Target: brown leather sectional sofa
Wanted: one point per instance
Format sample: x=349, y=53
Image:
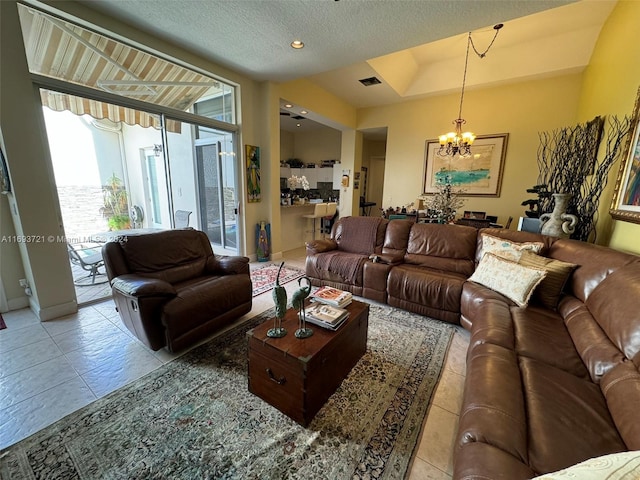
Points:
x=171, y=290
x=545, y=388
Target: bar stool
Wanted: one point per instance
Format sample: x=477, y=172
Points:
x=325, y=222
x=319, y=211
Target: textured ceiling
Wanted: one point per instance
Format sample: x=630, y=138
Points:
x=253, y=36
x=416, y=47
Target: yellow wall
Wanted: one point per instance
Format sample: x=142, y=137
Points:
x=522, y=110
x=609, y=88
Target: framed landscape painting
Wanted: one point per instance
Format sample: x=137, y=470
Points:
x=477, y=174
x=626, y=196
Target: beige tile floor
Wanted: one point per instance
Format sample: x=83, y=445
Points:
x=50, y=369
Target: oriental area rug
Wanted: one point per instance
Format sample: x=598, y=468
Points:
x=194, y=417
x=263, y=278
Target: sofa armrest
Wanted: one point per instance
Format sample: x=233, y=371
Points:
x=320, y=246
x=139, y=286
x=228, y=265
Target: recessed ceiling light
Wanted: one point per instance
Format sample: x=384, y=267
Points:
x=288, y=105
x=297, y=44
x=298, y=125
x=303, y=112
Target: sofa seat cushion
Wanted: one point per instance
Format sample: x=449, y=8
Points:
x=481, y=461
x=337, y=267
x=567, y=416
x=425, y=286
x=541, y=334
x=202, y=299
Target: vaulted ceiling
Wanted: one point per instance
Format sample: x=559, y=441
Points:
x=415, y=48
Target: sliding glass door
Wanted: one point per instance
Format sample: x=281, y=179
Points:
x=217, y=178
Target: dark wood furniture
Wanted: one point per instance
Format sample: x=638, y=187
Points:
x=297, y=376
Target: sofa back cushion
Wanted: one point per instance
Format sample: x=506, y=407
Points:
x=595, y=263
x=598, y=353
x=362, y=235
x=450, y=248
x=396, y=238
x=614, y=303
x=171, y=255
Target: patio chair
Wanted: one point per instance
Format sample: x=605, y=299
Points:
x=89, y=258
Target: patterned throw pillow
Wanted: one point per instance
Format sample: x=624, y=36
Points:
x=512, y=280
x=506, y=248
x=616, y=466
x=549, y=291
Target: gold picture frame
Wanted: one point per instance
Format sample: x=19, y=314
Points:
x=625, y=204
x=479, y=174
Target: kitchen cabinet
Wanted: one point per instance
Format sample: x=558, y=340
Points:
x=325, y=174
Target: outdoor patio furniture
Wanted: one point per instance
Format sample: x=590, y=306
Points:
x=89, y=258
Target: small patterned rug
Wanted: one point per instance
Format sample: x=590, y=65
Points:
x=194, y=417
x=263, y=278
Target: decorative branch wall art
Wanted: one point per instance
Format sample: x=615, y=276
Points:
x=568, y=162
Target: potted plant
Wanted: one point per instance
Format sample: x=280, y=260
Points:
x=534, y=204
x=116, y=204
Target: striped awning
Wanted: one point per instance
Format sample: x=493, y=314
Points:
x=74, y=54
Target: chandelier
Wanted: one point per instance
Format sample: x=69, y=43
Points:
x=457, y=142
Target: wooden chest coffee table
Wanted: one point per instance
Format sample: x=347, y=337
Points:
x=297, y=376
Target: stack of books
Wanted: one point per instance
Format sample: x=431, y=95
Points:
x=332, y=296
x=326, y=316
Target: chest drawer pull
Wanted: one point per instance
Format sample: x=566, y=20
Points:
x=279, y=381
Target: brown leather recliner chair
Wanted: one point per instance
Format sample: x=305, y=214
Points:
x=171, y=290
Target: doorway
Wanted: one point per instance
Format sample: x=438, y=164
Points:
x=217, y=193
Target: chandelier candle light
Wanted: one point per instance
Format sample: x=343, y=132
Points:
x=457, y=142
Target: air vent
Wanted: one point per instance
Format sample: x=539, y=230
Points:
x=285, y=114
x=298, y=117
x=367, y=82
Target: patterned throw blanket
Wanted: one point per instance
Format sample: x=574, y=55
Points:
x=357, y=242
x=359, y=235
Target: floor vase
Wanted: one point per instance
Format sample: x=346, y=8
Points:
x=559, y=223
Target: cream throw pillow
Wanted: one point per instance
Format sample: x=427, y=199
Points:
x=616, y=466
x=512, y=280
x=506, y=248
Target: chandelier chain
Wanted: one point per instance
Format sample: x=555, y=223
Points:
x=457, y=142
x=483, y=54
x=464, y=76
